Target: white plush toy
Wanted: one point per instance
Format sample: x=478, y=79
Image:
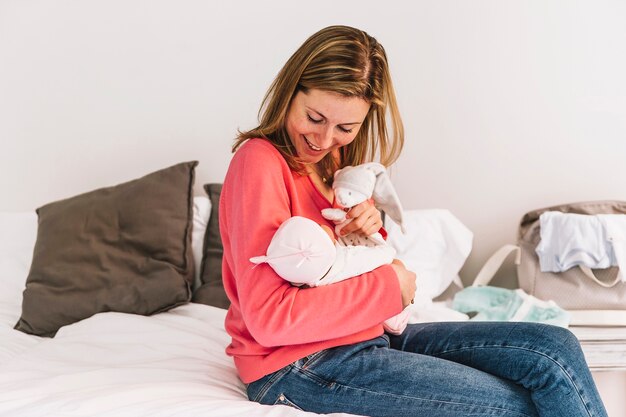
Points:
x=353, y=185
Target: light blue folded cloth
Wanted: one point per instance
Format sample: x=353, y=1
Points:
x=501, y=304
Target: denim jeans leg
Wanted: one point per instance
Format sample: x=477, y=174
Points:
x=544, y=359
x=372, y=379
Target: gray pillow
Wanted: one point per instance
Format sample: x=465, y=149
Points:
x=211, y=290
x=125, y=248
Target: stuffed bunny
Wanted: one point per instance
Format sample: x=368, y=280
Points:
x=353, y=185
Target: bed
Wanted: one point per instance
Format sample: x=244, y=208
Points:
x=170, y=362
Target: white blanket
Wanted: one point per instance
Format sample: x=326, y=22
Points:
x=114, y=364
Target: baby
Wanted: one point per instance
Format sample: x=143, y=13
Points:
x=306, y=253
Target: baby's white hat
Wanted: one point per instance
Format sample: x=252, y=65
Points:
x=300, y=251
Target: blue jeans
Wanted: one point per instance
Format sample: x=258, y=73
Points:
x=443, y=370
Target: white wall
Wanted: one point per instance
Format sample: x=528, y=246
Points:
x=508, y=105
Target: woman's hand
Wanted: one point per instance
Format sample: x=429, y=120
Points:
x=407, y=282
x=366, y=220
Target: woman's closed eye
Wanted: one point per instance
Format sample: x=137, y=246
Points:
x=318, y=121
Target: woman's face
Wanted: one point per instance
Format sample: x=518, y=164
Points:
x=320, y=122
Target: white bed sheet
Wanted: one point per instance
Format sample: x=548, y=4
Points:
x=114, y=364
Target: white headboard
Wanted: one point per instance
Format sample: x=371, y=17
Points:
x=508, y=106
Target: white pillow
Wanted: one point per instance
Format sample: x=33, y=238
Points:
x=18, y=232
x=201, y=212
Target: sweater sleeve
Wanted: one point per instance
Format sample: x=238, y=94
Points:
x=256, y=199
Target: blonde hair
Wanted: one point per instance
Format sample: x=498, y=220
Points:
x=342, y=60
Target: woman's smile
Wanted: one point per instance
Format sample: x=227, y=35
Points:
x=313, y=147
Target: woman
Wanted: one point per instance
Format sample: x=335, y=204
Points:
x=323, y=349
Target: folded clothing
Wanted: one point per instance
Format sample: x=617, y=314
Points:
x=569, y=240
x=501, y=304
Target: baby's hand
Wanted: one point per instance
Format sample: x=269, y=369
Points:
x=335, y=214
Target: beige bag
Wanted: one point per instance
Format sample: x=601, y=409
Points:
x=599, y=295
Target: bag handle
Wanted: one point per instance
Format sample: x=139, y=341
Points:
x=589, y=274
x=493, y=264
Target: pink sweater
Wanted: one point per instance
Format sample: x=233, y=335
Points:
x=271, y=322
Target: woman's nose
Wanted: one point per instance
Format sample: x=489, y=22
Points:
x=326, y=137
